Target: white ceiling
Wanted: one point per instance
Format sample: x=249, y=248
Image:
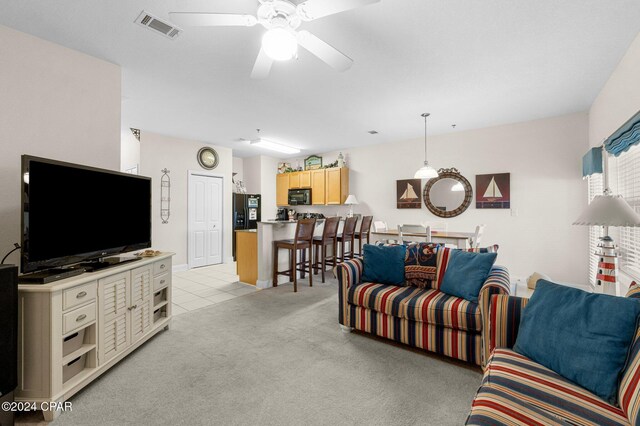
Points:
x=475, y=63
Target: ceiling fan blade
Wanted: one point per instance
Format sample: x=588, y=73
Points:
x=329, y=54
x=262, y=67
x=212, y=19
x=314, y=9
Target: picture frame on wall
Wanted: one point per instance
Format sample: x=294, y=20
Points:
x=493, y=191
x=408, y=193
x=313, y=162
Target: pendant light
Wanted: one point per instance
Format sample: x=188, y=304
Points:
x=426, y=171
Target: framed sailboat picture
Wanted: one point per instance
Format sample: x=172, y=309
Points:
x=408, y=190
x=493, y=191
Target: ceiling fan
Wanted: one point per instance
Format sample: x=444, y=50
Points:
x=281, y=18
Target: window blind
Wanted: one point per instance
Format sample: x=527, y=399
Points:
x=595, y=183
x=628, y=185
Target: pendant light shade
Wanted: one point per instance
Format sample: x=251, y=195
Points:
x=426, y=171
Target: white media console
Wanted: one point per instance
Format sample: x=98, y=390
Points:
x=71, y=331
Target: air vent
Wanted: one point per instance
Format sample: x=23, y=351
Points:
x=157, y=25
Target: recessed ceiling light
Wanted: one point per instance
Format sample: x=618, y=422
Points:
x=373, y=132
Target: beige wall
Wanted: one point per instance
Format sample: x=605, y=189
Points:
x=619, y=99
x=548, y=194
x=56, y=103
x=179, y=156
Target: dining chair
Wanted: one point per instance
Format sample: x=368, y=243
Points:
x=475, y=241
x=437, y=226
x=364, y=232
x=414, y=229
x=379, y=225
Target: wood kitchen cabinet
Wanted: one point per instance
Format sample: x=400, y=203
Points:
x=282, y=189
x=328, y=186
x=336, y=185
x=318, y=187
x=294, y=180
x=305, y=179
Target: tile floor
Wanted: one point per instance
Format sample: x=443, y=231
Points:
x=206, y=286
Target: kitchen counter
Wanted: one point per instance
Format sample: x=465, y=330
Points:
x=246, y=230
x=268, y=232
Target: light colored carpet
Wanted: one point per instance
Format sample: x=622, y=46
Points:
x=276, y=357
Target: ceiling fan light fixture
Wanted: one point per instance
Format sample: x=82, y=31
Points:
x=280, y=44
x=274, y=146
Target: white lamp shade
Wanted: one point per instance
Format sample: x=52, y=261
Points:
x=426, y=172
x=351, y=199
x=608, y=210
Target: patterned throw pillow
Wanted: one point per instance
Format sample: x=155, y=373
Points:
x=420, y=264
x=634, y=290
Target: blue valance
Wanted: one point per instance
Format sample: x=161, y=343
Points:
x=592, y=162
x=625, y=137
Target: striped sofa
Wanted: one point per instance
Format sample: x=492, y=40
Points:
x=419, y=314
x=517, y=391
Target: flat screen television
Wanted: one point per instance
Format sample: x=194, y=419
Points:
x=73, y=213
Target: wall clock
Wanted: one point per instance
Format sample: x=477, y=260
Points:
x=208, y=158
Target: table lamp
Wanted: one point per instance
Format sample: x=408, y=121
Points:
x=350, y=201
x=608, y=210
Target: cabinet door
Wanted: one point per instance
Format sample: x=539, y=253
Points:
x=318, y=187
x=113, y=316
x=334, y=186
x=282, y=189
x=294, y=180
x=305, y=179
x=141, y=312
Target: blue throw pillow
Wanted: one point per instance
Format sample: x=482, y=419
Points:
x=383, y=264
x=466, y=272
x=584, y=337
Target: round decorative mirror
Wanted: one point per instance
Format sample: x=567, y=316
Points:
x=449, y=194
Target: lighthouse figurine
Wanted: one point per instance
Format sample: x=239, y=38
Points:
x=607, y=265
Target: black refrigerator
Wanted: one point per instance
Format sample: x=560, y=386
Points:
x=246, y=214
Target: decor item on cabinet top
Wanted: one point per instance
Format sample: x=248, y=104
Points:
x=493, y=191
x=608, y=210
x=284, y=167
x=351, y=201
x=240, y=188
x=408, y=191
x=340, y=160
x=313, y=162
x=426, y=171
x=165, y=196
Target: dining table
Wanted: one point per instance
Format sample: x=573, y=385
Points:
x=461, y=240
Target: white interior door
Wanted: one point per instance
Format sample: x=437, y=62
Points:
x=205, y=220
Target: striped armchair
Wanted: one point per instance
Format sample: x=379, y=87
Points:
x=517, y=390
x=422, y=317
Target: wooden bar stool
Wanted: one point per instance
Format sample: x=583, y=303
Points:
x=303, y=240
x=365, y=231
x=347, y=236
x=320, y=244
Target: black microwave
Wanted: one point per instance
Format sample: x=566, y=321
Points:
x=300, y=197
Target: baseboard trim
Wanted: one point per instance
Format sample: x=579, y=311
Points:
x=229, y=260
x=180, y=268
x=269, y=283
